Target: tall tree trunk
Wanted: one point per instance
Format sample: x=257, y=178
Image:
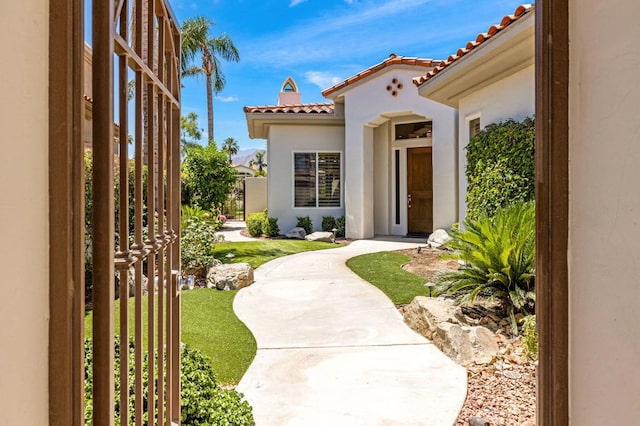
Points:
x=210, y=108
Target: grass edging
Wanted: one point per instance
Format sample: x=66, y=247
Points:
x=384, y=270
x=257, y=253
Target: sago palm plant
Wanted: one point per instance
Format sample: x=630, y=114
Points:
x=498, y=260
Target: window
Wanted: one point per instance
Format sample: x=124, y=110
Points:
x=474, y=127
x=316, y=179
x=421, y=129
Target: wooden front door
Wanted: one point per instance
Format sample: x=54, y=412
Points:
x=419, y=191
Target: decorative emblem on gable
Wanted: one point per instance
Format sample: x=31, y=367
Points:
x=394, y=87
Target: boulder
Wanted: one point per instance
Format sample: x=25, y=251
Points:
x=298, y=233
x=438, y=238
x=466, y=345
x=444, y=323
x=131, y=278
x=230, y=276
x=326, y=237
x=425, y=313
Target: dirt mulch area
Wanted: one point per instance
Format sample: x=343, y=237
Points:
x=502, y=393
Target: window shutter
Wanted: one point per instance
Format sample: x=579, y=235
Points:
x=305, y=179
x=329, y=187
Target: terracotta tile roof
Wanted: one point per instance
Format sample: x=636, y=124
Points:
x=521, y=11
x=291, y=109
x=393, y=59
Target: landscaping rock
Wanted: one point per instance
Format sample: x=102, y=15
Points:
x=438, y=238
x=298, y=233
x=466, y=345
x=448, y=328
x=131, y=278
x=326, y=237
x=231, y=276
x=425, y=313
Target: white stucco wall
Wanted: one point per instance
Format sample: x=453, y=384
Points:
x=364, y=106
x=255, y=195
x=604, y=233
x=24, y=213
x=382, y=201
x=511, y=97
x=284, y=140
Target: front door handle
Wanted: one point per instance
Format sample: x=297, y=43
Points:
x=409, y=201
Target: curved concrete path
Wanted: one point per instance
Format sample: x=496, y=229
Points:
x=333, y=350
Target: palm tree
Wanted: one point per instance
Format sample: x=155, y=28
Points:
x=258, y=161
x=231, y=147
x=196, y=41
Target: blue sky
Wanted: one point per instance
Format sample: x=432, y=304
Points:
x=319, y=43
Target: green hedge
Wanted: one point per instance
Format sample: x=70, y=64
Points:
x=305, y=223
x=259, y=224
x=500, y=167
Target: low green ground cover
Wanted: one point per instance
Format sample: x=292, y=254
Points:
x=384, y=271
x=209, y=325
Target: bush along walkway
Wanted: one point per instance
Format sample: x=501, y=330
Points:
x=334, y=349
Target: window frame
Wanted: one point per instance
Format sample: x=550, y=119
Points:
x=293, y=176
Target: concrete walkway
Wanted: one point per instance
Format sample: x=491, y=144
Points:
x=333, y=350
x=231, y=231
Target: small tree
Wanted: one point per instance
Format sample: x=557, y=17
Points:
x=207, y=177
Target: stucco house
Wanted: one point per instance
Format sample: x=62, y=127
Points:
x=379, y=154
x=588, y=205
x=489, y=80
x=243, y=171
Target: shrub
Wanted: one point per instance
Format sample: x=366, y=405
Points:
x=305, y=223
x=197, y=244
x=340, y=225
x=530, y=337
x=202, y=401
x=207, y=177
x=270, y=226
x=255, y=224
x=194, y=212
x=500, y=167
x=328, y=223
x=499, y=260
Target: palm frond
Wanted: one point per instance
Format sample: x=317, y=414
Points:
x=499, y=259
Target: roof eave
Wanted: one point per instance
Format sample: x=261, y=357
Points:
x=335, y=93
x=259, y=123
x=507, y=52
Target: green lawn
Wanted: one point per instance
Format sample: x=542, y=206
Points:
x=384, y=271
x=209, y=325
x=256, y=253
x=208, y=321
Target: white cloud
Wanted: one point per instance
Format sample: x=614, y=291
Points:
x=294, y=3
x=322, y=79
x=227, y=98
